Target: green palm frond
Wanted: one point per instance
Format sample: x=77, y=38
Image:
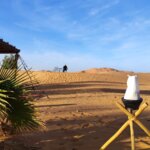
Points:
x=13, y=98
x=21, y=115
x=3, y=102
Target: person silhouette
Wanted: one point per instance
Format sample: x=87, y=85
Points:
x=65, y=68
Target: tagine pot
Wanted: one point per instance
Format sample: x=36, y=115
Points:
x=132, y=104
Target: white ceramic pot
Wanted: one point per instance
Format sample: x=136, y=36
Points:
x=132, y=91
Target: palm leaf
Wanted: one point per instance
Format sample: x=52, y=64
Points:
x=20, y=112
x=3, y=102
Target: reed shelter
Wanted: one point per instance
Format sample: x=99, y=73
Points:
x=6, y=48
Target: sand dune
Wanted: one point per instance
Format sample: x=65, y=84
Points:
x=104, y=70
x=100, y=70
x=79, y=112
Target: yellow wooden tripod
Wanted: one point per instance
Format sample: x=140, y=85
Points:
x=131, y=118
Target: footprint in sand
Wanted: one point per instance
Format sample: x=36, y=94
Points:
x=58, y=124
x=74, y=148
x=76, y=138
x=73, y=114
x=61, y=148
x=96, y=137
x=61, y=143
x=82, y=114
x=100, y=121
x=64, y=119
x=86, y=125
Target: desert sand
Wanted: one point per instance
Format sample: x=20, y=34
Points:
x=79, y=112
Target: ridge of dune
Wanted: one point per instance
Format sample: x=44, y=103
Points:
x=101, y=70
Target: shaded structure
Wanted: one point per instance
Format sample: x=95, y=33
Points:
x=6, y=48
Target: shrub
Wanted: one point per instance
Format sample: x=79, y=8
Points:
x=17, y=112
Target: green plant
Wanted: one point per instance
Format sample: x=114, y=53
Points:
x=9, y=62
x=18, y=111
x=3, y=102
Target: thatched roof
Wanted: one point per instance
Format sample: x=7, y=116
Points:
x=6, y=48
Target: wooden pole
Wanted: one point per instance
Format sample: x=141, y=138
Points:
x=132, y=133
x=138, y=122
x=115, y=135
x=16, y=64
x=131, y=118
x=140, y=110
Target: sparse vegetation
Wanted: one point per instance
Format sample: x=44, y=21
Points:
x=9, y=62
x=17, y=111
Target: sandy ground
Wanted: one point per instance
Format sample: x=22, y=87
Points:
x=79, y=113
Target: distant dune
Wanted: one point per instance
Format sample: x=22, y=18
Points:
x=102, y=70
x=86, y=75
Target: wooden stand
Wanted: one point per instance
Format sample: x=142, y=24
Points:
x=132, y=132
x=131, y=118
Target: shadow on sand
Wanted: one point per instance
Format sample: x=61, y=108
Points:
x=56, y=105
x=84, y=133
x=81, y=88
x=81, y=131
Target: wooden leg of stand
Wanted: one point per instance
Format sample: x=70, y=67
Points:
x=115, y=135
x=139, y=123
x=132, y=133
x=140, y=110
x=129, y=122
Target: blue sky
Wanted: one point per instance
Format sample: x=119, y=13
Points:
x=80, y=33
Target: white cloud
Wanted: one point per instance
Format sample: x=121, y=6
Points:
x=103, y=8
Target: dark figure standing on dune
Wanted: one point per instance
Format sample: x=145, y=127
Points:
x=65, y=68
